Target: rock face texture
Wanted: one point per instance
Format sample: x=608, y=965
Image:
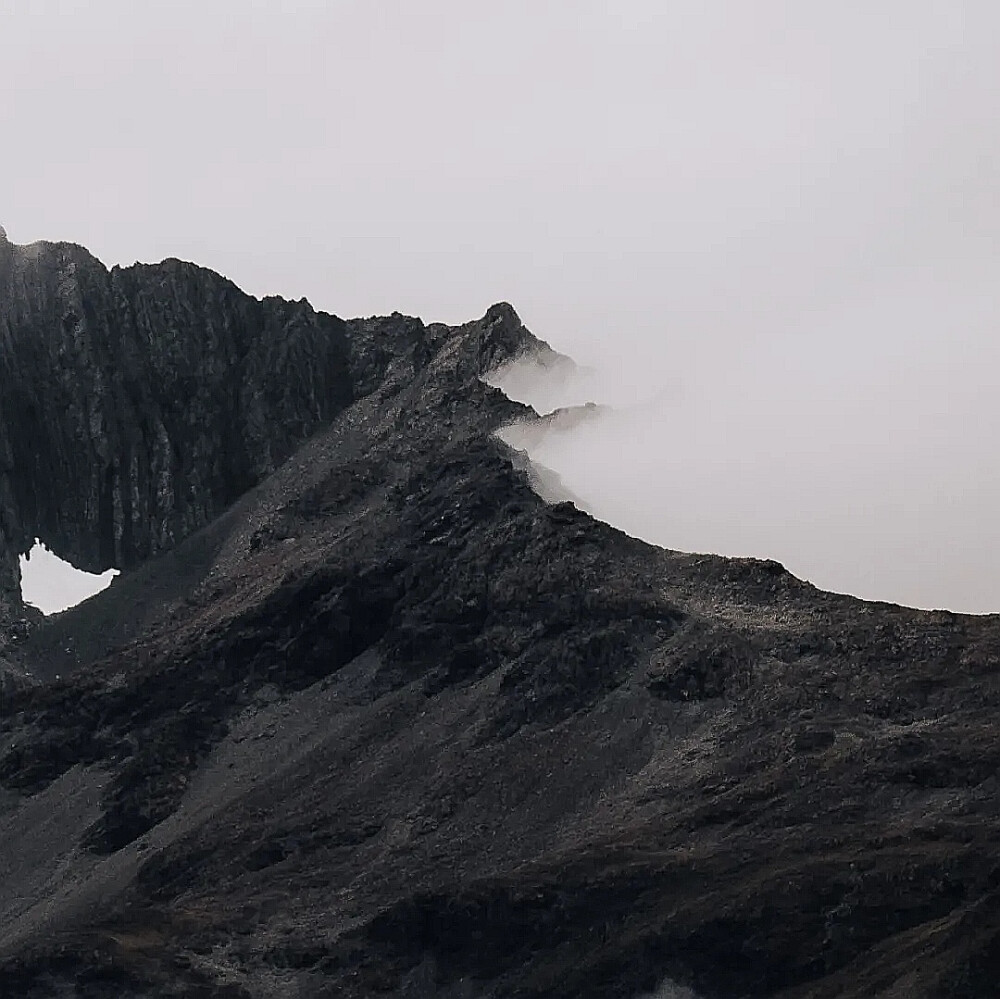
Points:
x=138, y=403
x=388, y=724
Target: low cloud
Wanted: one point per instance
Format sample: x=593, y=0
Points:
x=866, y=464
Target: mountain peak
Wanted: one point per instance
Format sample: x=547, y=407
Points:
x=366, y=715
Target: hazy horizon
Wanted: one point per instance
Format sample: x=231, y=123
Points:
x=772, y=231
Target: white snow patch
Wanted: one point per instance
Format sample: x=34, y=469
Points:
x=52, y=584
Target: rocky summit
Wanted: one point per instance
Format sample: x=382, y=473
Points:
x=364, y=715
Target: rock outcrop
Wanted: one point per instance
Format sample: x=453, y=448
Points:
x=138, y=403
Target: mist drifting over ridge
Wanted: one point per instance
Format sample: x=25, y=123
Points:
x=867, y=466
x=803, y=368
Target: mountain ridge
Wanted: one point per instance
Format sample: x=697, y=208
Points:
x=161, y=393
x=387, y=723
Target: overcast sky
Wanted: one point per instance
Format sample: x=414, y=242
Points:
x=772, y=227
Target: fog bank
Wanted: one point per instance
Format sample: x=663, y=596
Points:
x=802, y=364
x=865, y=469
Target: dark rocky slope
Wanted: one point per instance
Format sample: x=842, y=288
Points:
x=389, y=724
x=139, y=403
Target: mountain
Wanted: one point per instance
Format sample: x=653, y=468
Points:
x=364, y=715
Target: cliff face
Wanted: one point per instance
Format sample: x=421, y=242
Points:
x=140, y=402
x=392, y=725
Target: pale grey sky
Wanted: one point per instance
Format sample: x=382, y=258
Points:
x=772, y=227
